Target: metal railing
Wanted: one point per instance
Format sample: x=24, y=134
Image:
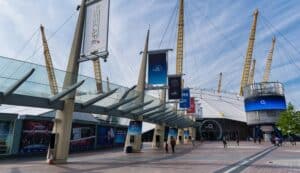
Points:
x=264, y=89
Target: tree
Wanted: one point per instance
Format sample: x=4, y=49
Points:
x=289, y=121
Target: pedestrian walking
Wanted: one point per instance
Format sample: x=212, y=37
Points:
x=238, y=141
x=173, y=143
x=224, y=142
x=167, y=147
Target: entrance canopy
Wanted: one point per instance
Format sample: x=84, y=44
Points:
x=27, y=84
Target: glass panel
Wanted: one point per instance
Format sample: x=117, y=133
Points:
x=6, y=135
x=37, y=84
x=263, y=89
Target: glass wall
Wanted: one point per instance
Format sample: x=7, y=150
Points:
x=35, y=136
x=6, y=133
x=82, y=137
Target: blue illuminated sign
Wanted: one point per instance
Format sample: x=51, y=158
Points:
x=135, y=128
x=172, y=132
x=157, y=69
x=265, y=103
x=186, y=134
x=185, y=98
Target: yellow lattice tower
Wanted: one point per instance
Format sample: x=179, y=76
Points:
x=269, y=62
x=180, y=39
x=252, y=72
x=98, y=75
x=49, y=65
x=248, y=59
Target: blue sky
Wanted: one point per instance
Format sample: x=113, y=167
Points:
x=216, y=38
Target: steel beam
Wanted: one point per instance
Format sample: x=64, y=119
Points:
x=126, y=111
x=123, y=102
x=17, y=84
x=167, y=116
x=65, y=92
x=152, y=118
x=155, y=112
x=127, y=92
x=147, y=110
x=98, y=98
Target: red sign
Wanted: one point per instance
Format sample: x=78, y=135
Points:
x=192, y=108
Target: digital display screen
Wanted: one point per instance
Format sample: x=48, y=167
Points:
x=265, y=103
x=157, y=69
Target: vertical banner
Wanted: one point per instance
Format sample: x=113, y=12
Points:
x=192, y=108
x=105, y=136
x=185, y=98
x=135, y=128
x=174, y=83
x=172, y=132
x=157, y=68
x=96, y=28
x=120, y=136
x=186, y=134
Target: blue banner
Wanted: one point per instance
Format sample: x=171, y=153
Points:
x=120, y=136
x=105, y=136
x=157, y=68
x=172, y=132
x=186, y=134
x=265, y=103
x=185, y=98
x=135, y=128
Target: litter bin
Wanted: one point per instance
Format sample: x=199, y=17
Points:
x=129, y=149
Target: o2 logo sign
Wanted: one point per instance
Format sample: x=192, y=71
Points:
x=185, y=94
x=157, y=68
x=263, y=102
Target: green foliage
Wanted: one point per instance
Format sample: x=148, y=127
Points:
x=289, y=121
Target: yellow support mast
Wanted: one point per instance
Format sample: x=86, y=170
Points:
x=179, y=54
x=180, y=39
x=107, y=84
x=98, y=75
x=247, y=64
x=269, y=62
x=220, y=83
x=252, y=72
x=49, y=65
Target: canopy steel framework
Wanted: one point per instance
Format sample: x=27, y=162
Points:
x=23, y=84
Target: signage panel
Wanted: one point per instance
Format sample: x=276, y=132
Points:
x=265, y=103
x=185, y=98
x=173, y=132
x=192, y=108
x=174, y=83
x=157, y=68
x=135, y=128
x=96, y=28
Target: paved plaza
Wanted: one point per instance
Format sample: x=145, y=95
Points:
x=205, y=157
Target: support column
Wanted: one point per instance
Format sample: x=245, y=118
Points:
x=186, y=139
x=159, y=131
x=158, y=136
x=135, y=139
x=63, y=118
x=180, y=136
